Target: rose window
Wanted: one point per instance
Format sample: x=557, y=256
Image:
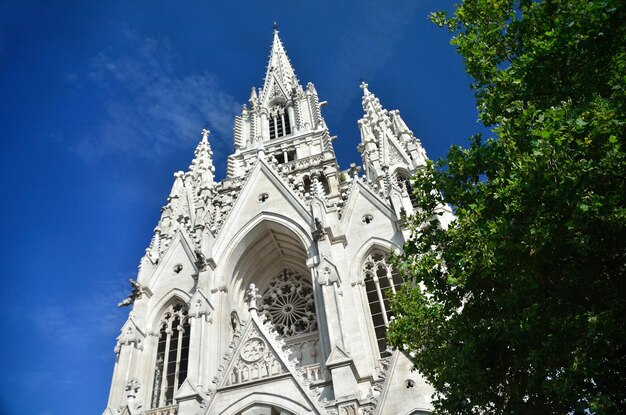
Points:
x=288, y=303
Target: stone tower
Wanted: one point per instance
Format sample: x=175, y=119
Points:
x=264, y=293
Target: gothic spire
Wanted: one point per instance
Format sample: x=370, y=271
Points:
x=279, y=71
x=387, y=144
x=201, y=166
x=372, y=108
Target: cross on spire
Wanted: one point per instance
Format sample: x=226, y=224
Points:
x=205, y=133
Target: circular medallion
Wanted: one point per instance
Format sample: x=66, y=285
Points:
x=253, y=350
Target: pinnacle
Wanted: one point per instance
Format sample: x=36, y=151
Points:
x=203, y=157
x=371, y=104
x=364, y=86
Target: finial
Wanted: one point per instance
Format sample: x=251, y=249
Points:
x=205, y=133
x=275, y=27
x=364, y=86
x=253, y=97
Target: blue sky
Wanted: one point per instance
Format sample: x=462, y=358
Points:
x=102, y=101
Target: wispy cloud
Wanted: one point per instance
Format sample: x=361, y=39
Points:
x=76, y=324
x=150, y=104
x=72, y=335
x=366, y=47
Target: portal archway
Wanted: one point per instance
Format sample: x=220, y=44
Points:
x=275, y=260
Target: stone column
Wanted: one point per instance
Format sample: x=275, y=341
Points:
x=292, y=117
x=265, y=126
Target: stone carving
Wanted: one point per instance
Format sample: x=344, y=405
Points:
x=252, y=295
x=394, y=155
x=133, y=386
x=327, y=277
x=319, y=233
x=255, y=361
x=132, y=389
x=137, y=291
x=288, y=303
x=253, y=350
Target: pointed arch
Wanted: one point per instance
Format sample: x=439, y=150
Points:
x=269, y=399
x=370, y=245
x=403, y=179
x=157, y=310
x=171, y=358
x=256, y=228
x=373, y=276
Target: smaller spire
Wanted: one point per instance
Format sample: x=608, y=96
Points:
x=371, y=105
x=202, y=165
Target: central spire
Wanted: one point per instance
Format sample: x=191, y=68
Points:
x=280, y=78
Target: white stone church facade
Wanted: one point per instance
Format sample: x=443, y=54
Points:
x=265, y=293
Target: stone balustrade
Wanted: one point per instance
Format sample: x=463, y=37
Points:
x=165, y=410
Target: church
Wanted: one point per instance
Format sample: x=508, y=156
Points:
x=265, y=293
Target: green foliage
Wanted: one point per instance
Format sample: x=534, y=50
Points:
x=519, y=306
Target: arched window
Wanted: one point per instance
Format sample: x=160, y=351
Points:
x=325, y=185
x=404, y=181
x=279, y=122
x=289, y=304
x=306, y=180
x=379, y=276
x=172, y=355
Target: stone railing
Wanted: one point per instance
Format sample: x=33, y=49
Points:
x=313, y=372
x=164, y=410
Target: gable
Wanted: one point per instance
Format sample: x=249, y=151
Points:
x=278, y=199
x=362, y=201
x=177, y=266
x=257, y=361
x=404, y=390
x=275, y=89
x=395, y=154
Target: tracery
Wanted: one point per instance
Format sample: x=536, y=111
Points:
x=289, y=304
x=172, y=355
x=379, y=276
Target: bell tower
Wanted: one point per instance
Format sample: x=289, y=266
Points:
x=282, y=122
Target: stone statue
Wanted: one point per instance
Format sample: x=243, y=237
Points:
x=252, y=295
x=137, y=290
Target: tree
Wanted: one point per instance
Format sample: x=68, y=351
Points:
x=519, y=306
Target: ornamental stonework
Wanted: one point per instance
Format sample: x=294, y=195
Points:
x=289, y=304
x=253, y=350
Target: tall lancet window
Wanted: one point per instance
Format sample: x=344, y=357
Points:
x=172, y=355
x=379, y=277
x=279, y=122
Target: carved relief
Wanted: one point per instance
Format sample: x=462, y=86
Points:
x=394, y=155
x=253, y=350
x=255, y=361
